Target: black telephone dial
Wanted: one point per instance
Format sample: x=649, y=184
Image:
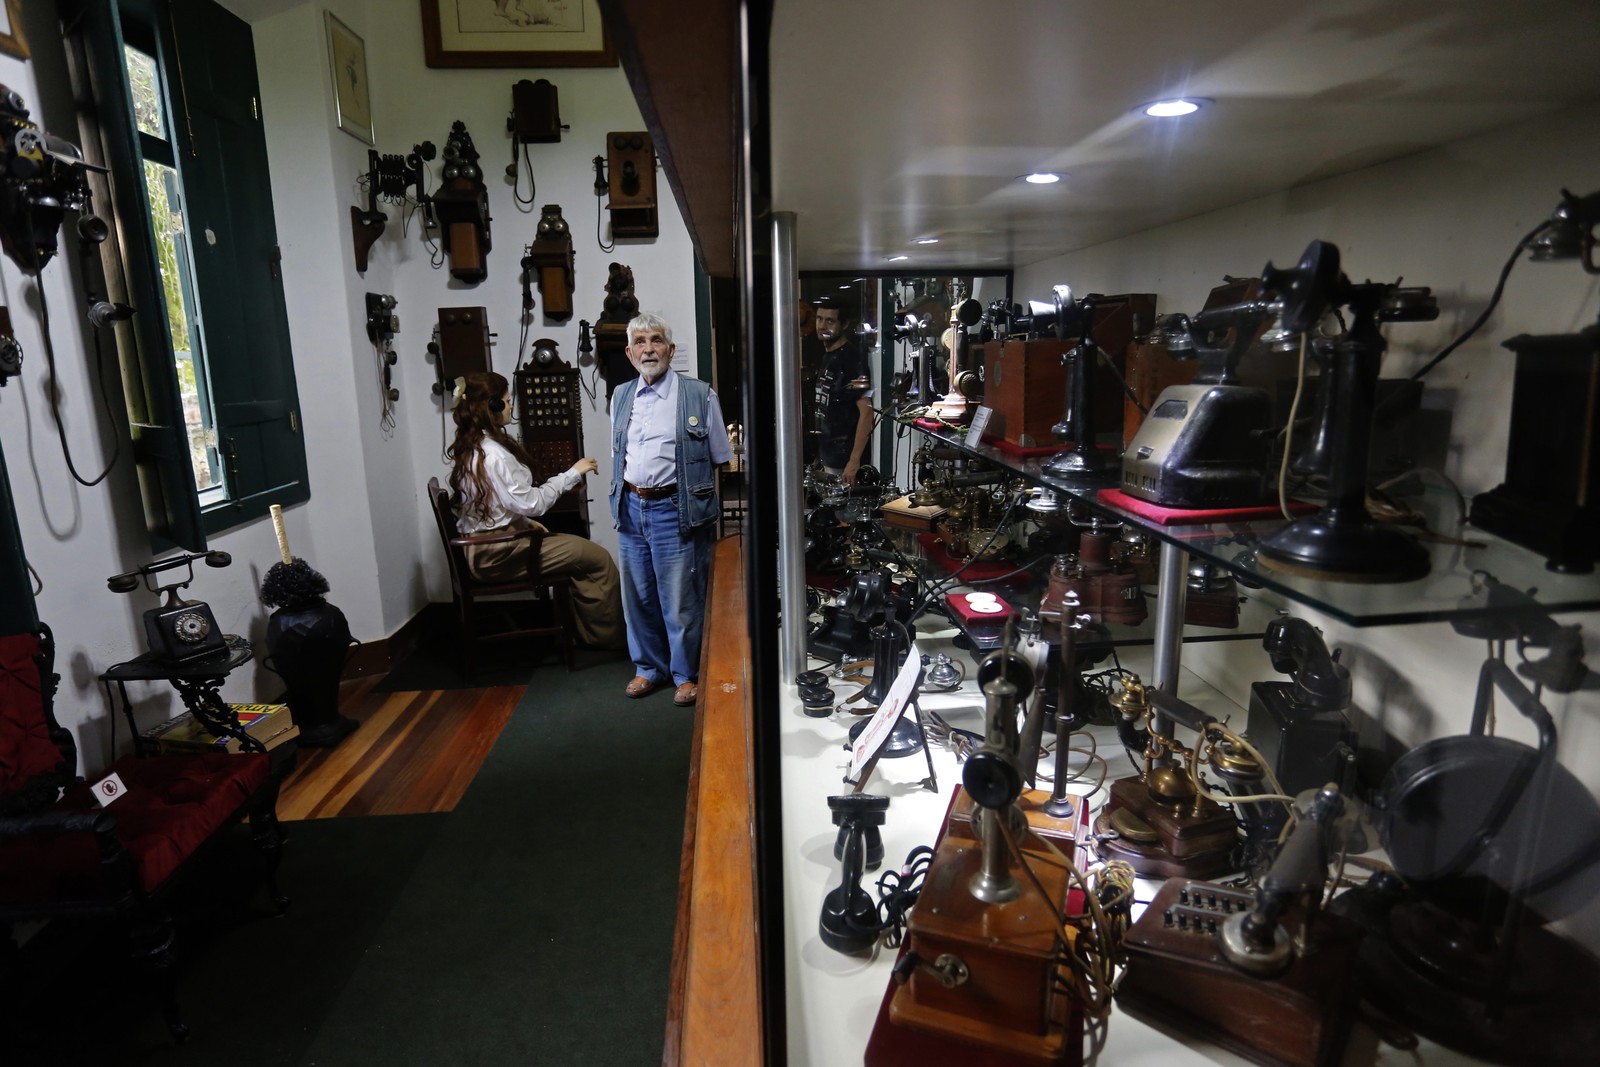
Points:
x=179, y=630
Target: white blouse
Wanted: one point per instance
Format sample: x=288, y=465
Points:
x=514, y=492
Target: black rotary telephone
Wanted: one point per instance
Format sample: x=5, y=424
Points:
x=179, y=630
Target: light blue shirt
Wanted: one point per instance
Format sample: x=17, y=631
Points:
x=650, y=459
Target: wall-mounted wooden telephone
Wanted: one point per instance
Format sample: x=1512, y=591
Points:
x=462, y=208
x=179, y=630
x=535, y=119
x=550, y=261
x=460, y=347
x=611, y=329
x=628, y=174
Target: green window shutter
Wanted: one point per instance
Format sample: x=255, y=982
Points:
x=244, y=326
x=155, y=408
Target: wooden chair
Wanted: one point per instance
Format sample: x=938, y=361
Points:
x=482, y=620
x=65, y=858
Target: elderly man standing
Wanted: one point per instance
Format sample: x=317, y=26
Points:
x=667, y=440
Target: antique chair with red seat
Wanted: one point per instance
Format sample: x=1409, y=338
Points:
x=63, y=857
x=483, y=612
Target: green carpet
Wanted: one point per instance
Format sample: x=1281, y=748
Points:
x=538, y=929
x=254, y=986
x=532, y=925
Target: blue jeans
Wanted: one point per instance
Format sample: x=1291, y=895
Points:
x=663, y=588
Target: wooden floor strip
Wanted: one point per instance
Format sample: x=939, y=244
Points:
x=414, y=752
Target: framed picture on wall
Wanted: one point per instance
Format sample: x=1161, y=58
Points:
x=352, y=96
x=515, y=33
x=12, y=42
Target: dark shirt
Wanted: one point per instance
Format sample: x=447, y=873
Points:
x=837, y=399
x=811, y=360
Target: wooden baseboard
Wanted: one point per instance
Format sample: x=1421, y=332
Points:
x=380, y=656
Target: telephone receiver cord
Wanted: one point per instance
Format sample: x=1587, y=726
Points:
x=50, y=361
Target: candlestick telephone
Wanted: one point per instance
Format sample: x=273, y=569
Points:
x=179, y=630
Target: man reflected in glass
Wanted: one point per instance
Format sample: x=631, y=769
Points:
x=844, y=393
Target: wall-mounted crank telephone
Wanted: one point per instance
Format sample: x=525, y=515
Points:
x=535, y=119
x=389, y=177
x=179, y=630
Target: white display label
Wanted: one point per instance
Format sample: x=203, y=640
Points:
x=872, y=738
x=980, y=422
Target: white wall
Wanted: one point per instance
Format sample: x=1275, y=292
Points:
x=366, y=526
x=1448, y=219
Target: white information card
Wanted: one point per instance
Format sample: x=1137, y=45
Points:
x=877, y=732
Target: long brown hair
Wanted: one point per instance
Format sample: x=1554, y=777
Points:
x=476, y=419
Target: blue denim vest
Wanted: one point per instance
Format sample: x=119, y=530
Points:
x=697, y=480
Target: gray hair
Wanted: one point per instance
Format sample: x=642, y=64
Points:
x=646, y=321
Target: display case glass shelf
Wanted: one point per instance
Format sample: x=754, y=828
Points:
x=1255, y=612
x=1455, y=587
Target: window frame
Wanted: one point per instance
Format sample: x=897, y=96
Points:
x=244, y=343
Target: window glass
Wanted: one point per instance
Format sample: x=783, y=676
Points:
x=146, y=92
x=161, y=187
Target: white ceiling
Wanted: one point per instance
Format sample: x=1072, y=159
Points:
x=894, y=120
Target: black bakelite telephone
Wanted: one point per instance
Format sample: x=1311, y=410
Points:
x=179, y=630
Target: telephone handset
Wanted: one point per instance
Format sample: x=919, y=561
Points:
x=179, y=630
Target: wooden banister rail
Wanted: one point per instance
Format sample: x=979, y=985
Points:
x=714, y=1007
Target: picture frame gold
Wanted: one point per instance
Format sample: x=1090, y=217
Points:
x=12, y=40
x=516, y=34
x=352, y=94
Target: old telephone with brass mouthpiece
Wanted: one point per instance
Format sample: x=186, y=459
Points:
x=1160, y=821
x=179, y=630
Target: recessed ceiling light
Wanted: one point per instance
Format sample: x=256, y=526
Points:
x=897, y=259
x=846, y=287
x=927, y=240
x=1041, y=178
x=1166, y=109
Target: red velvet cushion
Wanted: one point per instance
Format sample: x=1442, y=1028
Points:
x=26, y=751
x=173, y=805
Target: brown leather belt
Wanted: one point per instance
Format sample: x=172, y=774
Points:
x=651, y=492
